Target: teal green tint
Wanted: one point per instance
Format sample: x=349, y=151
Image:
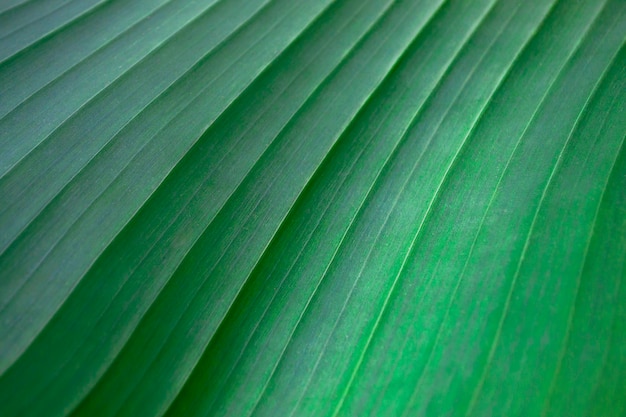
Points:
x=313, y=208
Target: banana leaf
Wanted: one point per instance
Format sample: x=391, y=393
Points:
x=313, y=208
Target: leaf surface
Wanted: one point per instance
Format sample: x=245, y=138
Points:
x=313, y=207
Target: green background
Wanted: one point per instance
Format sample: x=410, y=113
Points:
x=313, y=208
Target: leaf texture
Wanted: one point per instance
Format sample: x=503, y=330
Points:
x=312, y=208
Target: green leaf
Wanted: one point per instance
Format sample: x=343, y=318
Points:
x=313, y=207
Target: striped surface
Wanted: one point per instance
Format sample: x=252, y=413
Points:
x=312, y=207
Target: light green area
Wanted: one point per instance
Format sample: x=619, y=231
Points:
x=313, y=208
